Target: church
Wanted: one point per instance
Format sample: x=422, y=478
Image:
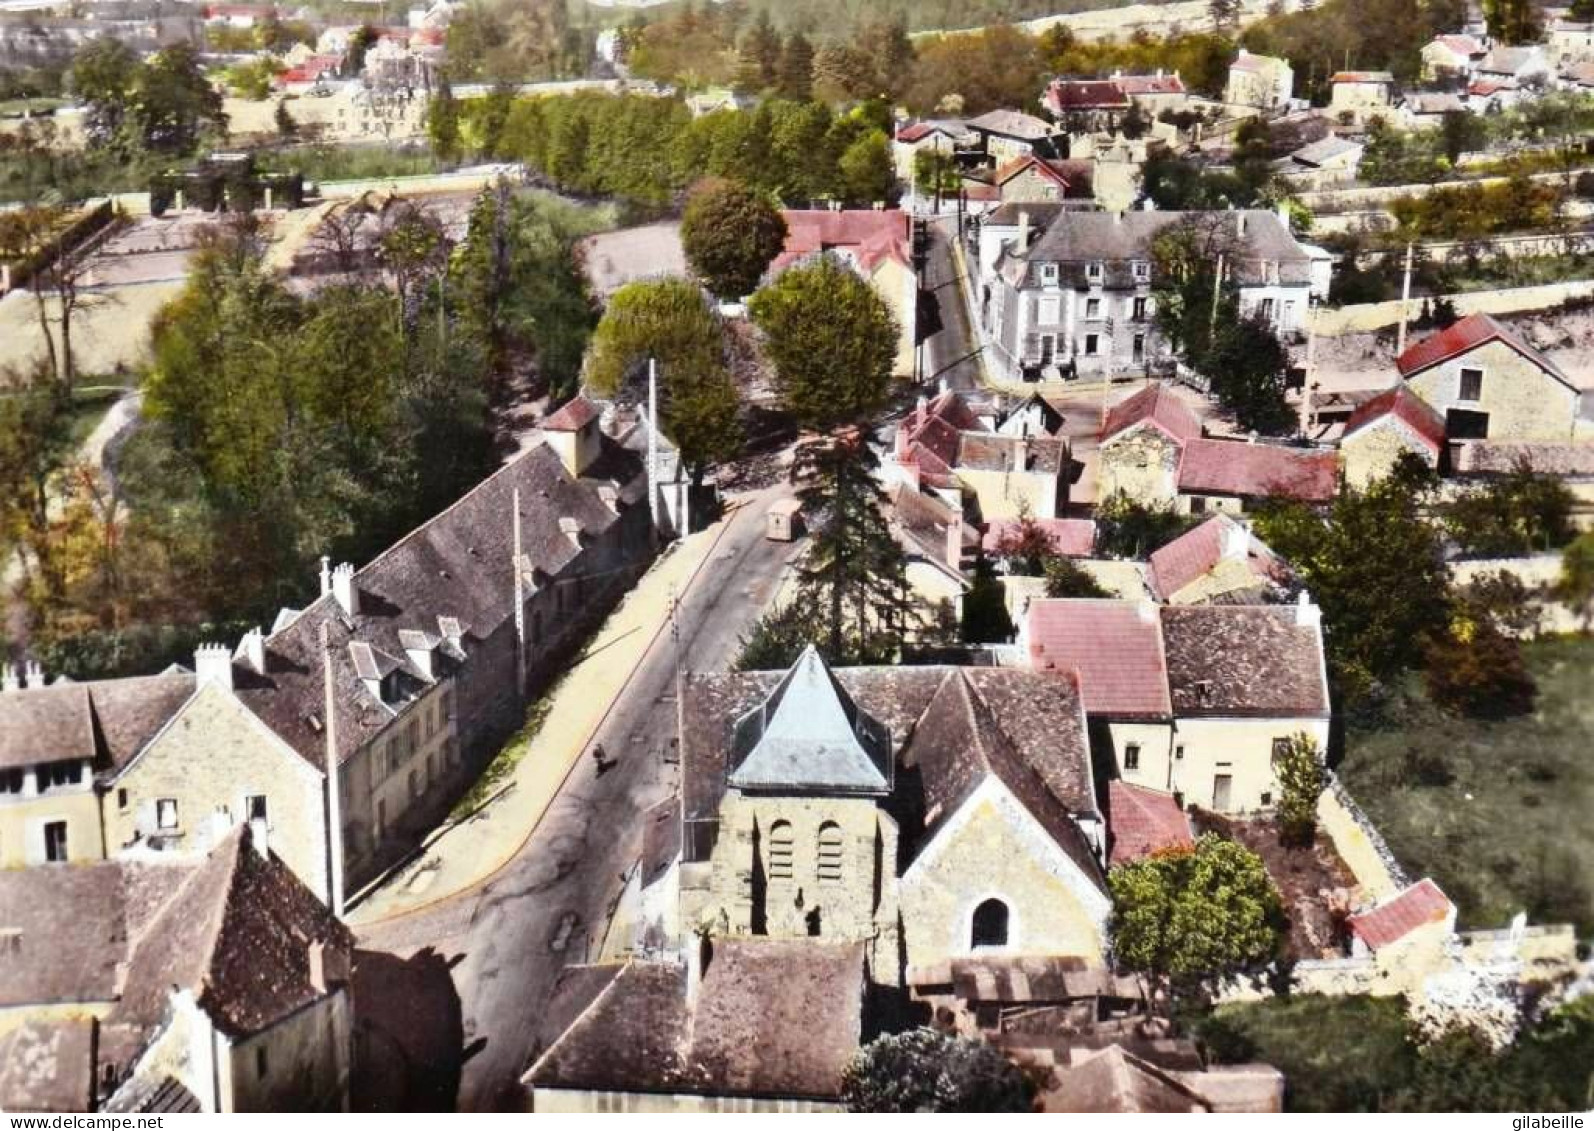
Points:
x=927, y=813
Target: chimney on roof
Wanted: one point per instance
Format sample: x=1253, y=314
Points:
x=344, y=590
x=1146, y=611
x=1021, y=454
x=1250, y=437
x=213, y=664
x=571, y=528
x=33, y=674
x=1023, y=229
x=329, y=966
x=8, y=678
x=1307, y=615
x=253, y=647
x=326, y=575
x=1236, y=542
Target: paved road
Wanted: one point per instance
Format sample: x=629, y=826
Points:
x=505, y=932
x=948, y=353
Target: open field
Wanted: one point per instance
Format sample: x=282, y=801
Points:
x=1497, y=813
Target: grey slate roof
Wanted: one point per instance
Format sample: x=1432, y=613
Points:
x=1012, y=123
x=1117, y=240
x=809, y=735
x=953, y=727
x=107, y=720
x=451, y=574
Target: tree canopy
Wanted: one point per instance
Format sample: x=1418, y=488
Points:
x=927, y=1070
x=730, y=235
x=832, y=340
x=1185, y=917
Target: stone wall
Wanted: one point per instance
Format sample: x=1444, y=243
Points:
x=1363, y=317
x=1359, y=843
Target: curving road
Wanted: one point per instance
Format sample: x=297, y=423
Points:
x=510, y=936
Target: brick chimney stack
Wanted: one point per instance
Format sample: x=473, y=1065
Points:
x=8, y=678
x=344, y=590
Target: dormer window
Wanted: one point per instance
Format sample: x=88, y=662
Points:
x=1142, y=270
x=1203, y=692
x=1049, y=274
x=1093, y=272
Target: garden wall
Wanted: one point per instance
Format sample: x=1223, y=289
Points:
x=1361, y=318
x=1359, y=843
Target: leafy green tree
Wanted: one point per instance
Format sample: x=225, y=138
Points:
x=1518, y=513
x=1302, y=778
x=1067, y=578
x=832, y=340
x=35, y=442
x=795, y=79
x=1247, y=366
x=442, y=123
x=364, y=38
x=1474, y=669
x=104, y=75
x=777, y=638
x=1575, y=586
x=1462, y=132
x=287, y=128
x=854, y=577
x=175, y=101
x=1192, y=917
x=669, y=321
x=985, y=616
x=1127, y=528
x=730, y=235
x=935, y=173
x=928, y=1070
x=1375, y=566
x=867, y=175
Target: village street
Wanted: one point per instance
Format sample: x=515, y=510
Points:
x=549, y=904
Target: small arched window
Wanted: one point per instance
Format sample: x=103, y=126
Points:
x=780, y=850
x=830, y=842
x=990, y=924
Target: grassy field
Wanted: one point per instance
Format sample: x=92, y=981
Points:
x=1500, y=814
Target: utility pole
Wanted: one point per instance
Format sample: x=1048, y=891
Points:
x=520, y=602
x=334, y=799
x=653, y=442
x=1217, y=289
x=1405, y=301
x=1309, y=383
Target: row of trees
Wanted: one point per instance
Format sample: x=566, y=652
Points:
x=279, y=428
x=649, y=149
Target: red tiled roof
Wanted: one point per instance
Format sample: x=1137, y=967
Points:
x=1159, y=405
x=1362, y=76
x=1046, y=168
x=1114, y=646
x=918, y=131
x=1197, y=552
x=1142, y=821
x=870, y=235
x=1234, y=467
x=1486, y=87
x=931, y=440
x=1406, y=407
x=1071, y=537
x=1419, y=905
x=1063, y=95
x=1460, y=44
x=1468, y=334
x=574, y=415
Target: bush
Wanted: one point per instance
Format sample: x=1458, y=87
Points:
x=1478, y=671
x=925, y=1070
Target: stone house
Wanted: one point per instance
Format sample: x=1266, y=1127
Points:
x=946, y=136
x=1384, y=428
x=1006, y=135
x=1086, y=105
x=944, y=447
x=54, y=740
x=1220, y=560
x=1426, y=110
x=1570, y=41
x=1450, y=56
x=1322, y=164
x=1037, y=180
x=213, y=984
x=1191, y=700
x=927, y=812
x=878, y=245
x=1358, y=97
x=404, y=674
x=1488, y=383
x=1075, y=299
x=741, y=1025
x=1524, y=66
x=1264, y=82
x=939, y=543
x=1153, y=453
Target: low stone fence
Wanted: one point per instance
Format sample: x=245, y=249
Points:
x=1538, y=573
x=1330, y=201
x=1362, y=318
x=1359, y=843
